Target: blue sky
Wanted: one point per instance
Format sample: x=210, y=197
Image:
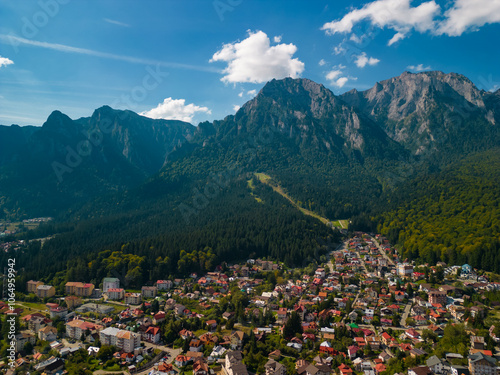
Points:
x=199, y=60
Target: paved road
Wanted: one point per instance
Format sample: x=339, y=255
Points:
x=384, y=254
x=405, y=315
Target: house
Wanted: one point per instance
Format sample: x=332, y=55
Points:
x=373, y=341
x=233, y=364
x=152, y=334
x=480, y=364
x=159, y=317
x=211, y=325
x=200, y=367
x=477, y=342
x=181, y=360
x=281, y=315
x=399, y=296
x=237, y=340
x=435, y=364
x=274, y=368
x=196, y=345
x=345, y=370
x=47, y=333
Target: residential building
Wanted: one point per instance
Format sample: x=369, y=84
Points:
x=73, y=302
x=116, y=293
x=124, y=340
x=437, y=297
x=233, y=364
x=164, y=284
x=77, y=328
x=47, y=333
x=79, y=289
x=237, y=340
x=148, y=291
x=274, y=368
x=45, y=291
x=32, y=285
x=110, y=283
x=480, y=364
x=477, y=342
x=404, y=269
x=133, y=298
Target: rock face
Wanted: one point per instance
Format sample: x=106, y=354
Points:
x=425, y=110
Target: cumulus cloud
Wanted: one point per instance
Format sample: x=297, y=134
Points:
x=467, y=15
x=252, y=92
x=236, y=108
x=4, y=61
x=402, y=17
x=322, y=62
x=397, y=15
x=363, y=60
x=175, y=109
x=277, y=39
x=419, y=68
x=337, y=78
x=255, y=60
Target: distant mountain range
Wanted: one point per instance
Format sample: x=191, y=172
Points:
x=339, y=156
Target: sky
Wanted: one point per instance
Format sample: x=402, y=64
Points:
x=198, y=60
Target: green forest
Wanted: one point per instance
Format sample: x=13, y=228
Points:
x=453, y=215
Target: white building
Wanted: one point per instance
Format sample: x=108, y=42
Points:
x=110, y=283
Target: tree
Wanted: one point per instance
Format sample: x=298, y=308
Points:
x=292, y=326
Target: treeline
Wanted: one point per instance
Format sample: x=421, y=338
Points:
x=453, y=215
x=234, y=226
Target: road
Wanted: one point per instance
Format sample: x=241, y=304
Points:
x=405, y=315
x=384, y=254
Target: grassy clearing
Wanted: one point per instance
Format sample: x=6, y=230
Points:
x=266, y=179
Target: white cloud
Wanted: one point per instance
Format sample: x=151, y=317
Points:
x=252, y=92
x=236, y=108
x=113, y=22
x=397, y=15
x=241, y=94
x=363, y=60
x=338, y=50
x=14, y=40
x=336, y=78
x=402, y=17
x=4, y=61
x=467, y=15
x=322, y=62
x=277, y=39
x=175, y=109
x=255, y=60
x=419, y=67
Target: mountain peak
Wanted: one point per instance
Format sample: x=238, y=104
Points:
x=57, y=120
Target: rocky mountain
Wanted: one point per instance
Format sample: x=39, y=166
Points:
x=46, y=170
x=428, y=111
x=335, y=154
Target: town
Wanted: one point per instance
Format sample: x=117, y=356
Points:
x=362, y=311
